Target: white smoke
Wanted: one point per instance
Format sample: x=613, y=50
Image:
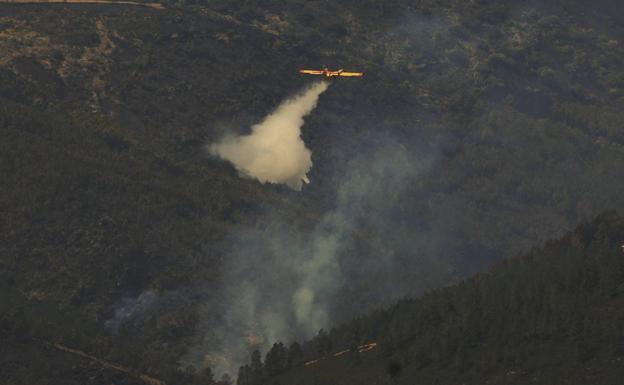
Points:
x=274, y=151
x=280, y=282
x=276, y=286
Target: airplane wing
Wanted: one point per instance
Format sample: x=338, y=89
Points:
x=311, y=72
x=351, y=74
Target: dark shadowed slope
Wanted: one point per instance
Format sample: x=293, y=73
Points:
x=478, y=131
x=552, y=316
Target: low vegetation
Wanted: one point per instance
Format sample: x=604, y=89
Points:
x=107, y=191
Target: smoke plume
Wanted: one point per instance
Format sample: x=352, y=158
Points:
x=130, y=308
x=282, y=282
x=274, y=151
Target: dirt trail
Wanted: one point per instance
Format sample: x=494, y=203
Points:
x=135, y=3
x=149, y=380
x=360, y=349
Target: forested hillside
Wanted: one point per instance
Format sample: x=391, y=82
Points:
x=555, y=315
x=479, y=130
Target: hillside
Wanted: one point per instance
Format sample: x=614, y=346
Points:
x=552, y=316
x=478, y=131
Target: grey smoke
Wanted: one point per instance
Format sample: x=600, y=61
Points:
x=129, y=308
x=274, y=151
x=282, y=282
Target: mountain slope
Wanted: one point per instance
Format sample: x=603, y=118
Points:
x=478, y=131
x=552, y=316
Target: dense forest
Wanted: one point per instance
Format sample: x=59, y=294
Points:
x=554, y=315
x=479, y=130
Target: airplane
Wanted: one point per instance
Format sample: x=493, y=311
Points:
x=329, y=74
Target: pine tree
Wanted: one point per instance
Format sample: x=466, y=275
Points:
x=244, y=375
x=256, y=368
x=276, y=360
x=294, y=355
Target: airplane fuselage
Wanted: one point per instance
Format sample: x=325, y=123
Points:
x=329, y=73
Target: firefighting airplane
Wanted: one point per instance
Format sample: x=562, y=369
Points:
x=329, y=74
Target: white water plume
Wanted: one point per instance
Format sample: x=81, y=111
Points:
x=274, y=151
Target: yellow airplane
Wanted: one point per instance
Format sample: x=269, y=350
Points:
x=328, y=74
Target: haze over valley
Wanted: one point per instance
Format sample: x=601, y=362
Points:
x=180, y=205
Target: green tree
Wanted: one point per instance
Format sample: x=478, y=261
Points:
x=295, y=354
x=244, y=376
x=256, y=368
x=276, y=360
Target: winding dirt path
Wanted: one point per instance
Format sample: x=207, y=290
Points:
x=113, y=2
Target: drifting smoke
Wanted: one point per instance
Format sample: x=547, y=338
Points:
x=130, y=308
x=276, y=286
x=134, y=312
x=282, y=282
x=274, y=151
